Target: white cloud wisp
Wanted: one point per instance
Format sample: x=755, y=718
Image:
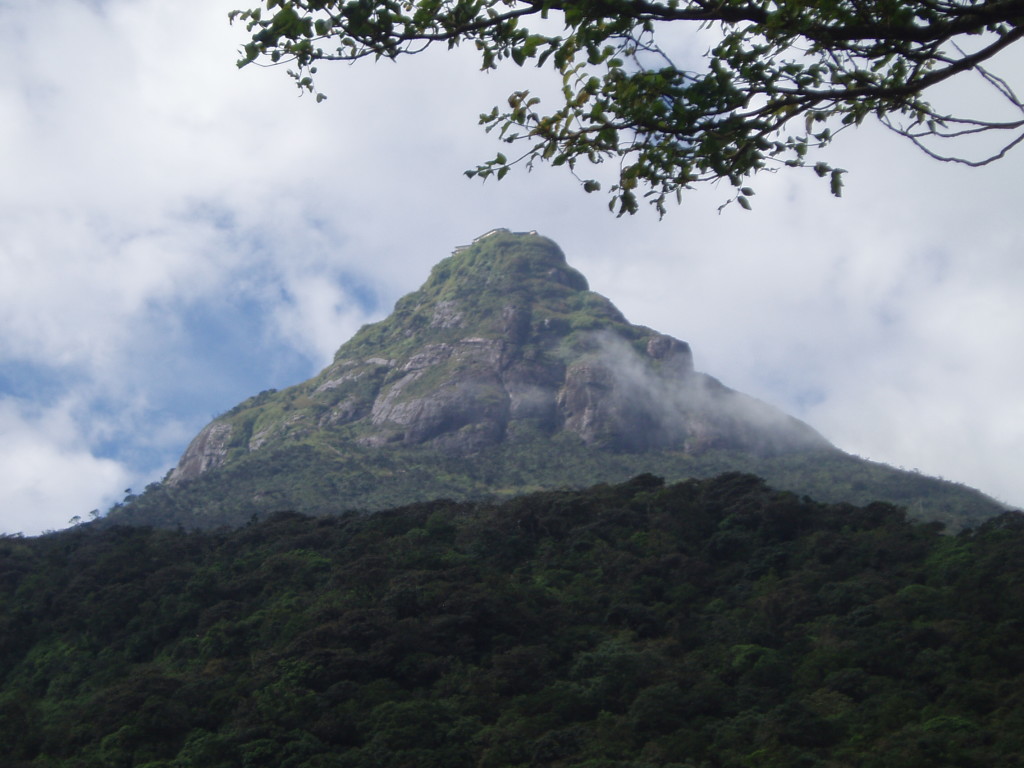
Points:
x=176, y=235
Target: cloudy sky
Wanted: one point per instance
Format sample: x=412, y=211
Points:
x=176, y=235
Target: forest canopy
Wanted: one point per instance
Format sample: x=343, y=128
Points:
x=778, y=80
x=707, y=623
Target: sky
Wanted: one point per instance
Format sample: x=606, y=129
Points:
x=177, y=235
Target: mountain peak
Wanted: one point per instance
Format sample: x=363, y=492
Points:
x=503, y=344
x=501, y=258
x=504, y=374
x=494, y=289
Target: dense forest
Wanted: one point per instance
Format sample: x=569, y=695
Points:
x=312, y=479
x=713, y=623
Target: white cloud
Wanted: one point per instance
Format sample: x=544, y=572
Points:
x=47, y=474
x=317, y=316
x=176, y=234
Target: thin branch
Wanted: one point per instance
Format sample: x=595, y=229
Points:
x=916, y=140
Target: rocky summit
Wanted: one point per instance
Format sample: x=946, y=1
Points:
x=504, y=340
x=503, y=373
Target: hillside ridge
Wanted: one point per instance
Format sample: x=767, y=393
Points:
x=503, y=374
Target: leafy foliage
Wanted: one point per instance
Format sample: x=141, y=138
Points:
x=780, y=78
x=706, y=623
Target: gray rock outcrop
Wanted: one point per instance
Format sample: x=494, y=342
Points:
x=504, y=340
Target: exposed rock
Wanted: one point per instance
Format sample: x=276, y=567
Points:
x=348, y=410
x=208, y=450
x=585, y=402
x=506, y=334
x=430, y=356
x=446, y=315
x=671, y=352
x=515, y=323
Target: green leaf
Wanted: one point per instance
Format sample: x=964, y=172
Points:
x=776, y=67
x=837, y=182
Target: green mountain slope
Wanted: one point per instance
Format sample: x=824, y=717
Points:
x=504, y=374
x=709, y=623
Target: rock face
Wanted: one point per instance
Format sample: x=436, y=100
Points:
x=503, y=342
